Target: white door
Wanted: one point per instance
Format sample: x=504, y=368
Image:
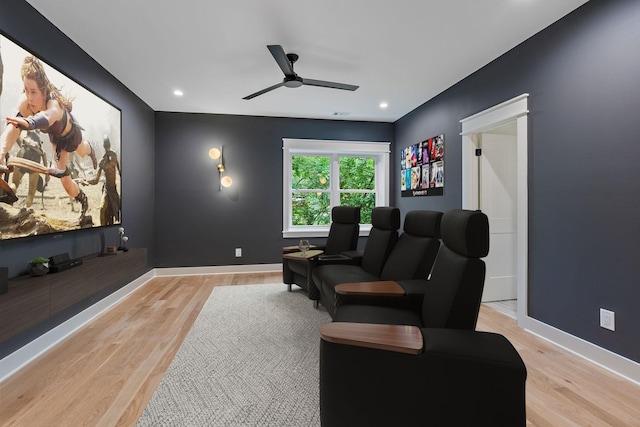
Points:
x=514, y=114
x=497, y=188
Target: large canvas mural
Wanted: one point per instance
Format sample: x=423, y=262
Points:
x=60, y=150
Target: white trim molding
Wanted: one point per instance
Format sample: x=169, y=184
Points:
x=515, y=109
x=496, y=116
x=380, y=151
x=612, y=362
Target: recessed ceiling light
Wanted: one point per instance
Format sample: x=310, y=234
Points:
x=178, y=92
x=383, y=105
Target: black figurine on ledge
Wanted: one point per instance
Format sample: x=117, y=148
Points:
x=123, y=240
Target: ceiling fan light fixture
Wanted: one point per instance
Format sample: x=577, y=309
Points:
x=292, y=81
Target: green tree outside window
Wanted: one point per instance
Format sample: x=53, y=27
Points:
x=312, y=187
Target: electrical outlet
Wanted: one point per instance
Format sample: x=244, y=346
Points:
x=607, y=319
x=238, y=252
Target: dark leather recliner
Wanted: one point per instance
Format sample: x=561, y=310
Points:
x=385, y=222
x=458, y=378
x=343, y=236
x=452, y=296
x=401, y=367
x=411, y=257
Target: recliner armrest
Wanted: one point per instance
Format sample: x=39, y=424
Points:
x=385, y=288
x=397, y=338
x=354, y=255
x=348, y=257
x=403, y=294
x=414, y=286
x=336, y=257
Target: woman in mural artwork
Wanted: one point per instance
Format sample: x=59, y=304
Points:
x=43, y=107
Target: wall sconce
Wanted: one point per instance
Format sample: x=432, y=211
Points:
x=216, y=154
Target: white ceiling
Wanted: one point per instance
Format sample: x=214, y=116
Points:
x=402, y=52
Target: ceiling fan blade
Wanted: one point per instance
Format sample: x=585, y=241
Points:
x=253, y=95
x=281, y=58
x=333, y=85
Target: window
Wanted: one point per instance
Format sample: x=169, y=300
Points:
x=321, y=174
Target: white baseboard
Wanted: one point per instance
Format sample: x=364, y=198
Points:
x=220, y=269
x=619, y=365
x=24, y=355
x=613, y=362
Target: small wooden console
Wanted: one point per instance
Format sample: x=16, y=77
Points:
x=35, y=305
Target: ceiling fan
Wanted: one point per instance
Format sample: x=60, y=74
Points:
x=291, y=79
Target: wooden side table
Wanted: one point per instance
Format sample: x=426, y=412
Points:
x=294, y=248
x=309, y=257
x=310, y=254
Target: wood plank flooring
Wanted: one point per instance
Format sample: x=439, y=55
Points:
x=105, y=374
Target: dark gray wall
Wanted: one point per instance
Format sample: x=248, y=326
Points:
x=196, y=224
x=582, y=76
x=583, y=184
x=19, y=21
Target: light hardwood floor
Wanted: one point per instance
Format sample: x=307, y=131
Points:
x=105, y=374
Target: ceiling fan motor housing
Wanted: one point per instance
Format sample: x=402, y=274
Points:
x=292, y=81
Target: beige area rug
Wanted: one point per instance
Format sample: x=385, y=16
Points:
x=251, y=359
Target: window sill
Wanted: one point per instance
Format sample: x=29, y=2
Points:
x=311, y=232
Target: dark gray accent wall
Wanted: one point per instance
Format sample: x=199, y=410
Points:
x=582, y=77
x=19, y=21
x=199, y=225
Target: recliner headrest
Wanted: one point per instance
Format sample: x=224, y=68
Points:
x=423, y=223
x=385, y=218
x=346, y=214
x=466, y=232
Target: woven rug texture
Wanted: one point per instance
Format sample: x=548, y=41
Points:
x=250, y=359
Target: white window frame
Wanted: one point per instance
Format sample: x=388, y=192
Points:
x=380, y=151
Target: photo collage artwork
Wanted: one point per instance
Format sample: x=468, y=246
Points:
x=422, y=168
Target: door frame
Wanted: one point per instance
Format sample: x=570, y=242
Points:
x=516, y=110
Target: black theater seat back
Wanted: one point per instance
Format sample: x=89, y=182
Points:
x=345, y=227
x=343, y=237
x=415, y=251
x=385, y=222
x=453, y=295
